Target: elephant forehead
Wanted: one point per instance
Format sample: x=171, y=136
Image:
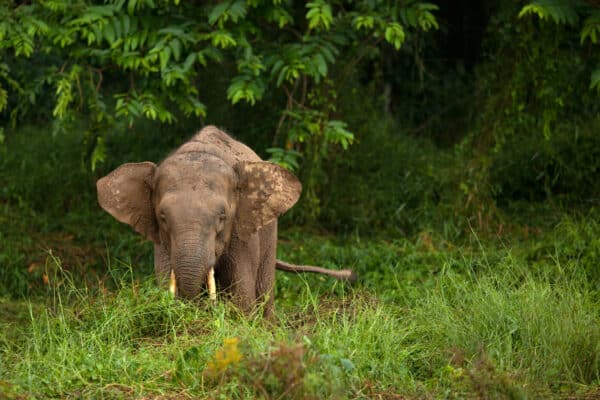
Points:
x=181, y=172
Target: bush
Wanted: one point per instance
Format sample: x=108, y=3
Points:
x=386, y=181
x=564, y=165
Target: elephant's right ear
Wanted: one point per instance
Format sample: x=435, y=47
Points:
x=126, y=194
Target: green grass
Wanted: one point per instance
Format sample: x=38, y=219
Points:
x=515, y=320
x=507, y=312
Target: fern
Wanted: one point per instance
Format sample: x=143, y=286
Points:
x=591, y=28
x=568, y=12
x=559, y=11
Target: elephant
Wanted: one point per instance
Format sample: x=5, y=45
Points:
x=210, y=207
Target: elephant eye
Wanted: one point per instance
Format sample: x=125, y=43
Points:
x=163, y=218
x=221, y=216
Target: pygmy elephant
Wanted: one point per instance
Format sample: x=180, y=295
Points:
x=209, y=207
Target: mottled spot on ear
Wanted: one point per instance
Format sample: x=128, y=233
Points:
x=266, y=191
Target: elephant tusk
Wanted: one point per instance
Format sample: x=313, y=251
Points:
x=212, y=286
x=173, y=284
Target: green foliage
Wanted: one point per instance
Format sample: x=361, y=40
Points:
x=286, y=158
x=559, y=11
x=564, y=165
x=556, y=95
x=47, y=196
x=580, y=14
x=394, y=34
x=480, y=318
x=319, y=15
x=528, y=325
x=532, y=135
x=123, y=61
x=388, y=182
x=468, y=322
x=574, y=245
x=37, y=171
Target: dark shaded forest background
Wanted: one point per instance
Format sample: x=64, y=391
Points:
x=483, y=122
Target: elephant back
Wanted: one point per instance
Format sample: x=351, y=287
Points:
x=214, y=141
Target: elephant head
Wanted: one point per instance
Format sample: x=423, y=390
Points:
x=193, y=203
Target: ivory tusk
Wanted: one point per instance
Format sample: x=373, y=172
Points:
x=212, y=286
x=173, y=284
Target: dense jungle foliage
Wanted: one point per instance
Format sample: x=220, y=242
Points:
x=449, y=153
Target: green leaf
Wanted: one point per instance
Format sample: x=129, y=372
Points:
x=426, y=20
x=363, y=21
x=394, y=34
x=131, y=6
x=237, y=10
x=224, y=11
x=559, y=11
x=194, y=107
x=109, y=33
x=64, y=97
x=218, y=12
x=321, y=64
x=175, y=45
x=164, y=55
x=98, y=154
x=118, y=27
x=134, y=41
x=126, y=23
x=245, y=87
x=319, y=15
x=223, y=39
x=288, y=159
x=336, y=132
x=280, y=16
x=591, y=28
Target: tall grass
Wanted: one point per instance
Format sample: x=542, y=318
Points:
x=469, y=323
x=549, y=332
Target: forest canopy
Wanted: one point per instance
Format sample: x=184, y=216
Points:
x=345, y=94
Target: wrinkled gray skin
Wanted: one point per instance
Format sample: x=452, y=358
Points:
x=211, y=203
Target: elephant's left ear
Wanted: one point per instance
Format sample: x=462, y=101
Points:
x=266, y=191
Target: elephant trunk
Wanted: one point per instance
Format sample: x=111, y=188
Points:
x=191, y=262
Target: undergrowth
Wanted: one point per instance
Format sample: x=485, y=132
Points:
x=449, y=303
x=426, y=320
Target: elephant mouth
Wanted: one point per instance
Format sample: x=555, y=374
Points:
x=210, y=284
